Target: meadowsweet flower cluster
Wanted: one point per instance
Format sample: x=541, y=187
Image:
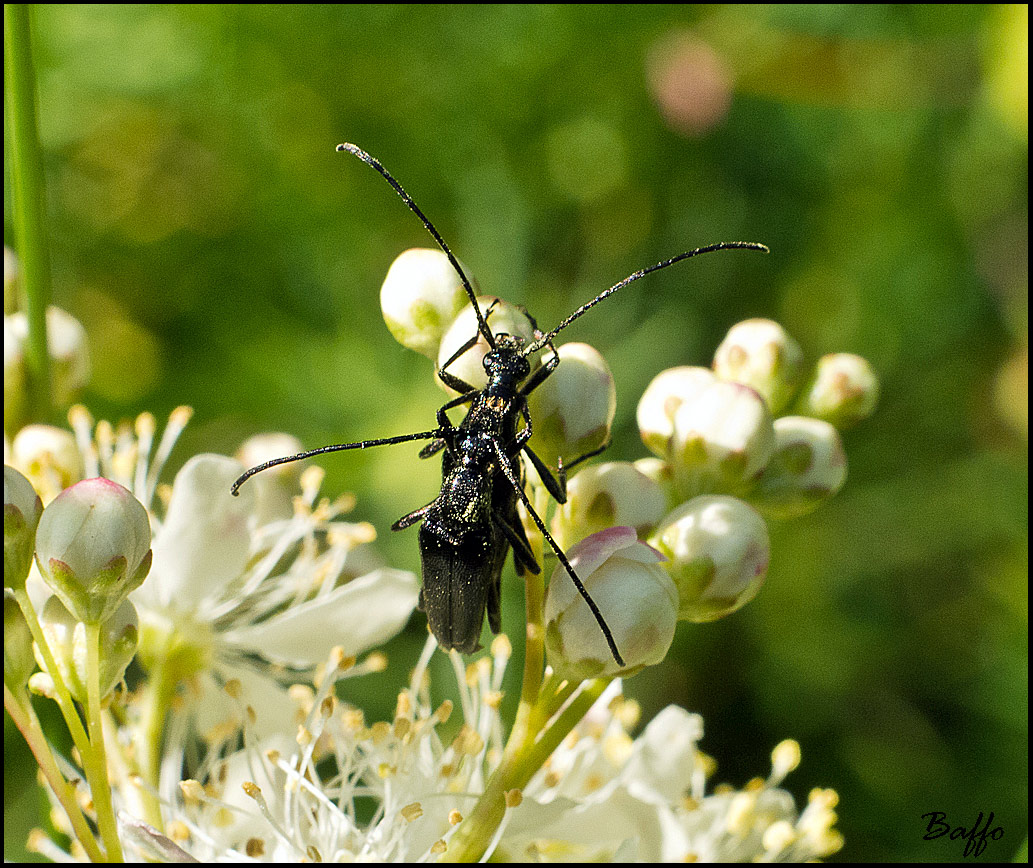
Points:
x=398, y=790
x=199, y=646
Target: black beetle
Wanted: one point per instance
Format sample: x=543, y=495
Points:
x=469, y=528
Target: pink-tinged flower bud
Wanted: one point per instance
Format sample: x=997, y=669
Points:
x=717, y=552
x=661, y=400
x=67, y=640
x=808, y=467
x=93, y=546
x=22, y=509
x=19, y=663
x=505, y=319
x=722, y=440
x=759, y=353
x=276, y=487
x=843, y=390
x=421, y=296
x=48, y=457
x=636, y=597
x=573, y=408
x=607, y=495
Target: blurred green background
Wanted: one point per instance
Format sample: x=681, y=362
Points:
x=222, y=255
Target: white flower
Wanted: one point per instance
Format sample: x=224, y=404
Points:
x=233, y=598
x=397, y=791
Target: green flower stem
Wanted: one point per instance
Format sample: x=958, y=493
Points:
x=520, y=761
x=61, y=694
x=28, y=198
x=159, y=690
x=558, y=693
x=21, y=712
x=561, y=727
x=97, y=770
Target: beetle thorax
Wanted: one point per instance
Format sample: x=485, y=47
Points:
x=506, y=366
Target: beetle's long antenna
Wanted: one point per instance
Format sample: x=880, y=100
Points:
x=340, y=447
x=519, y=489
x=631, y=278
x=482, y=324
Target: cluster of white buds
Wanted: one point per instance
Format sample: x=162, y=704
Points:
x=66, y=344
x=733, y=458
x=727, y=458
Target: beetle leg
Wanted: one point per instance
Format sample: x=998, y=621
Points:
x=518, y=488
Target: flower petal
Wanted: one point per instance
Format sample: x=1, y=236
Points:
x=357, y=616
x=665, y=755
x=202, y=545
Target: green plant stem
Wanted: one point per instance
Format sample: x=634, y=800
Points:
x=21, y=712
x=157, y=697
x=28, y=199
x=97, y=772
x=62, y=696
x=521, y=759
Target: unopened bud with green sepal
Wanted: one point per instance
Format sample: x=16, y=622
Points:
x=93, y=547
x=722, y=440
x=67, y=639
x=573, y=408
x=761, y=354
x=421, y=297
x=808, y=466
x=660, y=402
x=843, y=390
x=22, y=511
x=608, y=495
x=635, y=596
x=717, y=552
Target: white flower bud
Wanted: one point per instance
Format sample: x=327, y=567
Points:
x=661, y=400
x=808, y=467
x=573, y=408
x=19, y=663
x=717, y=552
x=69, y=356
x=421, y=296
x=635, y=595
x=22, y=509
x=663, y=475
x=49, y=458
x=93, y=546
x=274, y=488
x=843, y=390
x=505, y=319
x=722, y=440
x=607, y=495
x=66, y=638
x=759, y=353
